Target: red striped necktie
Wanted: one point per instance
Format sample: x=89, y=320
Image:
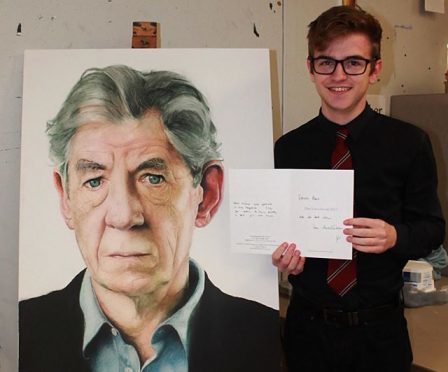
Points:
x=341, y=274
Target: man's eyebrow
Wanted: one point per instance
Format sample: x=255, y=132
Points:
x=355, y=56
x=84, y=164
x=155, y=163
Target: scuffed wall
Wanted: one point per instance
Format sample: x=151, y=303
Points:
x=48, y=24
x=413, y=50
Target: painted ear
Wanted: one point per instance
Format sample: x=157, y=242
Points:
x=212, y=185
x=64, y=204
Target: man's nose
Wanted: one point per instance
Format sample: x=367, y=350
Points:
x=339, y=72
x=124, y=210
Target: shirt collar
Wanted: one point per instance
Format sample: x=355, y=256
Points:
x=94, y=317
x=355, y=127
x=181, y=318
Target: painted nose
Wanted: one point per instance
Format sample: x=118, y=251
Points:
x=124, y=209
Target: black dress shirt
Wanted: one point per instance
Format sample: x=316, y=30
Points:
x=395, y=180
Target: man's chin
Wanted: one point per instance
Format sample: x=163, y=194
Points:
x=130, y=286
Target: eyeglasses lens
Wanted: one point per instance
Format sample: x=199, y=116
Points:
x=351, y=66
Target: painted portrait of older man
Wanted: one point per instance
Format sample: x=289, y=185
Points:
x=137, y=169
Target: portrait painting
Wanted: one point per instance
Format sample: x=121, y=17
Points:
x=124, y=256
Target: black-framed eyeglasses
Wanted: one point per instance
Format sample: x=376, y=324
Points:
x=350, y=65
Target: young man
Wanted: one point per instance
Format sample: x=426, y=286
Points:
x=358, y=324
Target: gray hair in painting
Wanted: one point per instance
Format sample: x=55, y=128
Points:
x=118, y=93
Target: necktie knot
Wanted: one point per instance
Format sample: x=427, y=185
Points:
x=341, y=158
x=342, y=133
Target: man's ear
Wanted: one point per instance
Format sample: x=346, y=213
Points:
x=310, y=70
x=64, y=204
x=375, y=72
x=212, y=185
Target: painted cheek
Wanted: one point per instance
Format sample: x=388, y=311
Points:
x=88, y=218
x=181, y=211
x=155, y=198
x=90, y=234
x=179, y=231
x=83, y=203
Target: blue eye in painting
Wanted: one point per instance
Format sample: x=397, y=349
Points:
x=154, y=179
x=93, y=183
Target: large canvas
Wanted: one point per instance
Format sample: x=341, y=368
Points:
x=235, y=86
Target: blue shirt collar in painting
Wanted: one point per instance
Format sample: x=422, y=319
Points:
x=96, y=342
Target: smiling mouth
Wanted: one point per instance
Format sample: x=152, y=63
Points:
x=339, y=89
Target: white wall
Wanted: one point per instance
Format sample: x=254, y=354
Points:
x=413, y=50
x=100, y=24
x=414, y=54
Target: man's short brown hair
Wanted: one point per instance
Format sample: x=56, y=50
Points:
x=341, y=21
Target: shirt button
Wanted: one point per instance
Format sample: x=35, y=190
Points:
x=128, y=369
x=114, y=331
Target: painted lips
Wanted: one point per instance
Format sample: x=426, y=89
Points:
x=128, y=255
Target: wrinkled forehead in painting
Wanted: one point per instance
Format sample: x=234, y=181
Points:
x=119, y=93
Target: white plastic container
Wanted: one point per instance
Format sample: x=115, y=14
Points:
x=418, y=274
